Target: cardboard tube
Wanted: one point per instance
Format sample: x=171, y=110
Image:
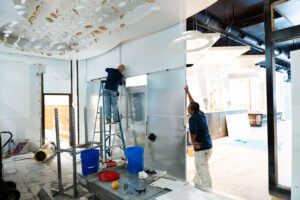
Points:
x=45, y=153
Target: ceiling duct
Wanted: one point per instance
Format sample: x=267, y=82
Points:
x=206, y=20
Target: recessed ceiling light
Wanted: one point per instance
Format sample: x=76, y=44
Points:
x=21, y=12
x=79, y=7
x=7, y=31
x=19, y=7
x=122, y=4
x=14, y=22
x=59, y=47
x=98, y=9
x=154, y=8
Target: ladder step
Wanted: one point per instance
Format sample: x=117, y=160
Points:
x=120, y=146
x=98, y=143
x=113, y=134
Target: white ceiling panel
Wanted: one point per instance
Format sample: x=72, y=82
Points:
x=81, y=29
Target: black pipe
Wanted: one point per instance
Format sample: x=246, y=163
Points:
x=208, y=21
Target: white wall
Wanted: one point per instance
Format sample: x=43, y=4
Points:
x=82, y=98
x=96, y=66
x=20, y=90
x=57, y=78
x=295, y=67
x=20, y=101
x=143, y=55
x=152, y=53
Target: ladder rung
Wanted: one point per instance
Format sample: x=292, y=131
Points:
x=113, y=134
x=109, y=147
x=99, y=143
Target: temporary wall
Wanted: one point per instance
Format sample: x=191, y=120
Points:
x=295, y=67
x=151, y=55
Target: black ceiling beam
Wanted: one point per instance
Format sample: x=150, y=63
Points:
x=286, y=34
x=206, y=20
x=253, y=18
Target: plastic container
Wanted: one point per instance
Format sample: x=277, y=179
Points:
x=89, y=161
x=135, y=156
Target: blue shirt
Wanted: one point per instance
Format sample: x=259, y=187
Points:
x=198, y=126
x=114, y=79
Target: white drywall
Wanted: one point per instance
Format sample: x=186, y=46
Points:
x=20, y=90
x=96, y=66
x=143, y=55
x=295, y=67
x=57, y=78
x=152, y=53
x=20, y=101
x=82, y=98
x=57, y=72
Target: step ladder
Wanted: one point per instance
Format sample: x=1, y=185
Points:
x=107, y=133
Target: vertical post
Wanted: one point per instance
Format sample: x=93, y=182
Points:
x=42, y=111
x=1, y=164
x=271, y=96
x=73, y=144
x=86, y=126
x=59, y=177
x=71, y=98
x=78, y=108
x=101, y=131
x=274, y=188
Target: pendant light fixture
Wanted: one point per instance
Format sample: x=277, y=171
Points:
x=191, y=41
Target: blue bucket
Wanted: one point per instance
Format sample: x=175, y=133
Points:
x=135, y=156
x=89, y=161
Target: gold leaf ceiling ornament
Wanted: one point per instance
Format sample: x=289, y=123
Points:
x=49, y=19
x=69, y=22
x=103, y=28
x=88, y=26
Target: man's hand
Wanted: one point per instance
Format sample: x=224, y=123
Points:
x=196, y=145
x=187, y=89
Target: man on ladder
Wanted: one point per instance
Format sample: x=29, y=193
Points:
x=110, y=94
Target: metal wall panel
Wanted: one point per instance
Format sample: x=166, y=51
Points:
x=166, y=119
x=92, y=92
x=136, y=130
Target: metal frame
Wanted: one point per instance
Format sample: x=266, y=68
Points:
x=42, y=132
x=272, y=37
x=78, y=105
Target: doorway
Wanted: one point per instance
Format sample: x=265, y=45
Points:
x=62, y=103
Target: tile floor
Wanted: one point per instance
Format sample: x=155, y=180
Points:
x=237, y=169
